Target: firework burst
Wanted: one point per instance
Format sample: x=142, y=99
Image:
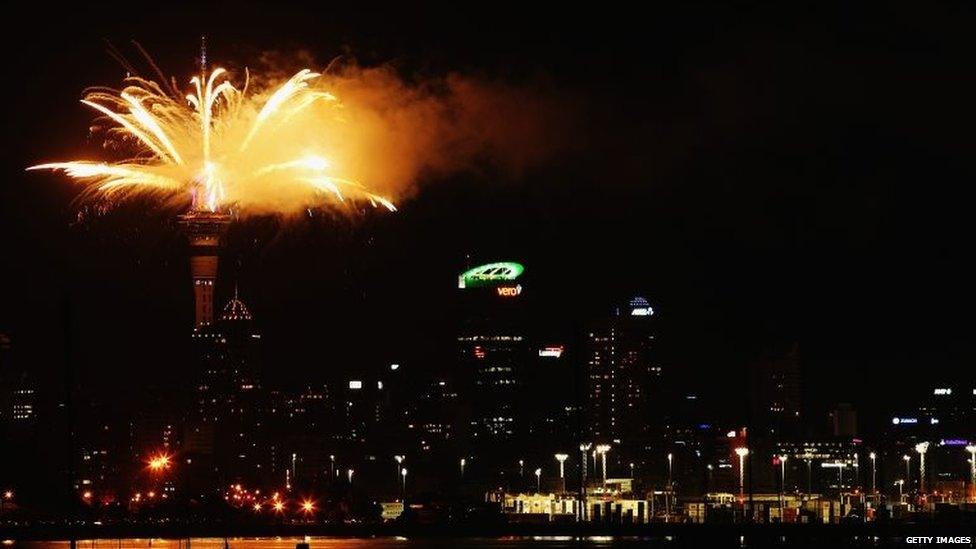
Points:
x=222, y=146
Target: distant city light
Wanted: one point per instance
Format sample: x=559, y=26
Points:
x=159, y=462
x=394, y=367
x=954, y=442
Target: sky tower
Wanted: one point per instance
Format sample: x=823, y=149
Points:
x=203, y=229
x=204, y=226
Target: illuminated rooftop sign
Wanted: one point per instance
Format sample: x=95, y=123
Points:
x=904, y=420
x=509, y=291
x=942, y=391
x=490, y=274
x=553, y=351
x=640, y=307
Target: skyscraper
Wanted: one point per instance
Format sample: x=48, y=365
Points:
x=620, y=372
x=493, y=349
x=225, y=425
x=775, y=392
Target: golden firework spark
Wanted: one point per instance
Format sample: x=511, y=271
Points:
x=222, y=146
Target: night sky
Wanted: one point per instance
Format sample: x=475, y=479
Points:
x=763, y=176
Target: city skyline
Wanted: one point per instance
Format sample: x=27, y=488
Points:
x=707, y=266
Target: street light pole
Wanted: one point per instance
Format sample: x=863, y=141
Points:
x=399, y=463
x=667, y=500
x=908, y=468
x=809, y=475
x=742, y=452
x=782, y=485
x=538, y=480
x=874, y=476
x=584, y=447
x=670, y=467
x=403, y=485
x=463, y=462
x=921, y=448
x=561, y=458
x=602, y=449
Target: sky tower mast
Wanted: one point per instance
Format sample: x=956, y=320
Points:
x=203, y=228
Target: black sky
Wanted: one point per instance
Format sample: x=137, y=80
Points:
x=763, y=175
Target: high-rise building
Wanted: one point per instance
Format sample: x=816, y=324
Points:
x=843, y=420
x=225, y=428
x=432, y=419
x=621, y=373
x=775, y=393
x=493, y=350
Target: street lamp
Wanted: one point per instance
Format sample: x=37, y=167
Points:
x=584, y=447
x=332, y=472
x=972, y=468
x=399, y=461
x=908, y=466
x=561, y=458
x=782, y=470
x=670, y=465
x=522, y=468
x=900, y=483
x=538, y=480
x=921, y=448
x=349, y=473
x=403, y=486
x=874, y=469
x=809, y=461
x=742, y=452
x=631, y=469
x=602, y=449
x=782, y=485
x=667, y=497
x=463, y=462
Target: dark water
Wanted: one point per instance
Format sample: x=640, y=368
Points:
x=351, y=543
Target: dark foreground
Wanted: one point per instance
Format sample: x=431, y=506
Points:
x=378, y=536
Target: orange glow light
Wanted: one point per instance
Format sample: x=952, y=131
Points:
x=159, y=462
